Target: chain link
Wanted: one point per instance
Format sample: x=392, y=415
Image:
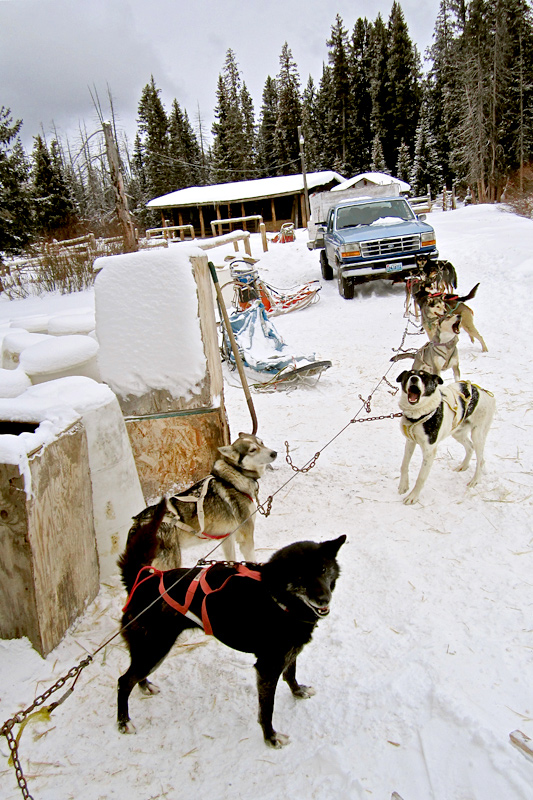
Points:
x=366, y=402
x=21, y=780
x=373, y=419
x=310, y=466
x=266, y=511
x=7, y=728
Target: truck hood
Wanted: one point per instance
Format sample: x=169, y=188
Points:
x=369, y=232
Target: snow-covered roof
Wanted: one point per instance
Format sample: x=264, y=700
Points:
x=379, y=178
x=243, y=190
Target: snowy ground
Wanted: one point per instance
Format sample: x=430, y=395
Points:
x=423, y=667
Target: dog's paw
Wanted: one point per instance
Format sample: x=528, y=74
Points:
x=304, y=691
x=403, y=487
x=277, y=740
x=127, y=727
x=410, y=499
x=460, y=468
x=148, y=688
x=472, y=483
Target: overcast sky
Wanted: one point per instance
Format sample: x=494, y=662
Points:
x=51, y=51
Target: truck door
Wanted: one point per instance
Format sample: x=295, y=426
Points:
x=328, y=244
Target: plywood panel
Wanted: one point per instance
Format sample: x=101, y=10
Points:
x=173, y=452
x=48, y=554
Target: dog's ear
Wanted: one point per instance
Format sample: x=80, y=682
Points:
x=229, y=453
x=439, y=379
x=399, y=379
x=332, y=547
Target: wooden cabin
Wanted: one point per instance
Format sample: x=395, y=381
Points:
x=276, y=200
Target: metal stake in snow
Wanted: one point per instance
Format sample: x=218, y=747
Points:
x=234, y=347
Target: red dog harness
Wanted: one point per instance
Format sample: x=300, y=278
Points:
x=199, y=580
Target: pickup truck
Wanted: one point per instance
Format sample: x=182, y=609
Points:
x=371, y=238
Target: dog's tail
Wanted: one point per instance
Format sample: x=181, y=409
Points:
x=470, y=295
x=142, y=543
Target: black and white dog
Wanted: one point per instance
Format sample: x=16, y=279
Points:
x=430, y=414
x=267, y=609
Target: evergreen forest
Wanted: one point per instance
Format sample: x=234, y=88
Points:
x=462, y=117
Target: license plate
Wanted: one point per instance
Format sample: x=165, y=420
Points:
x=393, y=267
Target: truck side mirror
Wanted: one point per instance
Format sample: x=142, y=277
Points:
x=421, y=217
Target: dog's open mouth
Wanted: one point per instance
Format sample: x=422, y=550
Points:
x=320, y=611
x=413, y=394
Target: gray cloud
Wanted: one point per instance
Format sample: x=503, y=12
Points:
x=51, y=51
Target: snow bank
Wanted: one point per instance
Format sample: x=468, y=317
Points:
x=60, y=355
x=14, y=343
x=147, y=323
x=13, y=382
x=64, y=324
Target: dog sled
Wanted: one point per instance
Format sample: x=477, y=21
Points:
x=267, y=359
x=286, y=233
x=249, y=287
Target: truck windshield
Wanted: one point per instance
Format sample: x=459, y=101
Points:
x=386, y=212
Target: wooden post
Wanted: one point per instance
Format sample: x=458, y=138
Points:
x=247, y=248
x=202, y=224
x=263, y=230
x=273, y=209
x=444, y=201
x=180, y=222
x=304, y=175
x=121, y=201
x=303, y=210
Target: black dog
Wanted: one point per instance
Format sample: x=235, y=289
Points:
x=267, y=609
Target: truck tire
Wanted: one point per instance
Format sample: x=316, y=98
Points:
x=327, y=272
x=346, y=287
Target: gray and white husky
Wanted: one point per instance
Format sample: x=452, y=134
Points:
x=221, y=504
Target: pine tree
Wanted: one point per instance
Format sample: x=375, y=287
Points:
x=379, y=85
x=233, y=131
x=289, y=115
x=324, y=121
x=15, y=203
x=403, y=86
x=360, y=142
x=426, y=169
x=378, y=162
x=266, y=136
x=403, y=164
x=53, y=204
x=154, y=138
x=311, y=127
x=184, y=150
x=249, y=132
x=340, y=98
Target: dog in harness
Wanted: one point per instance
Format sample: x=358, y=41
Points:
x=429, y=414
x=440, y=353
x=221, y=504
x=434, y=305
x=269, y=610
